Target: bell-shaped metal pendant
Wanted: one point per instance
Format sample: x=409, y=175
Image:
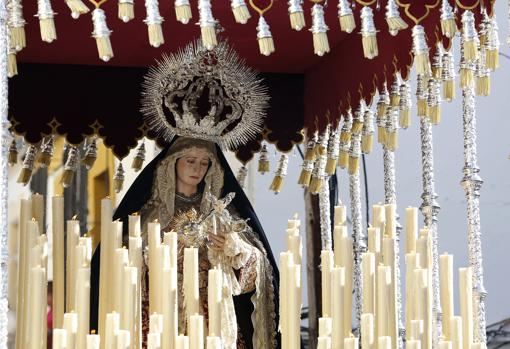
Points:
x=46, y=154
x=280, y=173
x=28, y=165
x=70, y=167
x=118, y=178
x=139, y=158
x=263, y=160
x=13, y=154
x=90, y=154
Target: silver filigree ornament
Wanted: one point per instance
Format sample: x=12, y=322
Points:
x=237, y=98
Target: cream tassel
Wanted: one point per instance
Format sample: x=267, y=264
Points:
x=309, y=159
x=77, y=8
x=139, y=158
x=310, y=153
x=333, y=151
x=118, y=178
x=466, y=69
x=437, y=63
x=368, y=33
x=28, y=165
x=433, y=102
x=318, y=174
x=406, y=104
x=90, y=154
x=102, y=35
x=492, y=47
x=421, y=51
x=280, y=173
x=263, y=160
x=153, y=21
x=16, y=24
x=264, y=37
x=207, y=24
x=319, y=30
x=354, y=154
x=367, y=134
x=70, y=167
x=448, y=76
x=346, y=17
x=296, y=14
x=241, y=176
x=382, y=105
x=46, y=22
x=421, y=95
x=126, y=10
x=345, y=140
x=482, y=80
x=448, y=25
x=395, y=92
x=183, y=11
x=13, y=154
x=46, y=153
x=240, y=11
x=392, y=128
x=470, y=37
x=395, y=22
x=12, y=64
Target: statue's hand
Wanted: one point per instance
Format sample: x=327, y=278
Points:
x=216, y=242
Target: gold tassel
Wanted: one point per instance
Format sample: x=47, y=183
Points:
x=90, y=154
x=367, y=143
x=46, y=153
x=466, y=77
x=319, y=30
x=207, y=24
x=333, y=151
x=434, y=114
x=437, y=67
x=16, y=24
x=448, y=25
x=306, y=174
x=367, y=135
x=382, y=107
x=281, y=172
x=28, y=165
x=296, y=15
x=405, y=118
x=12, y=64
x=102, y=35
x=346, y=17
x=357, y=126
x=264, y=37
x=77, y=8
x=156, y=38
x=433, y=103
x=395, y=22
x=421, y=96
x=263, y=160
x=343, y=159
x=381, y=134
x=492, y=48
x=449, y=90
x=240, y=11
x=46, y=22
x=353, y=165
x=448, y=76
x=139, y=158
x=126, y=10
x=395, y=93
x=483, y=85
x=405, y=105
x=318, y=174
x=70, y=167
x=421, y=51
x=470, y=37
x=368, y=33
x=13, y=154
x=310, y=153
x=118, y=178
x=183, y=11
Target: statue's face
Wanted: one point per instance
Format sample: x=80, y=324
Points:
x=192, y=167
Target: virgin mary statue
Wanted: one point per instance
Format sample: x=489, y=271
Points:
x=201, y=102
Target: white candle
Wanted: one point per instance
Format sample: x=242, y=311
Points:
x=170, y=314
x=340, y=215
x=413, y=344
x=374, y=240
x=378, y=217
x=128, y=299
x=213, y=343
x=383, y=285
x=190, y=271
x=156, y=323
x=424, y=248
x=87, y=242
x=446, y=288
x=391, y=222
x=294, y=305
x=412, y=263
x=324, y=343
x=120, y=260
x=466, y=305
x=416, y=330
x=456, y=332
x=182, y=342
x=325, y=327
x=111, y=330
x=73, y=234
x=25, y=215
x=106, y=256
x=36, y=317
x=294, y=244
x=326, y=267
x=479, y=345
x=71, y=327
x=411, y=228
x=384, y=342
x=286, y=259
x=351, y=343
x=343, y=258
x=444, y=344
x=161, y=261
x=93, y=341
x=196, y=333
x=59, y=339
x=423, y=309
x=38, y=210
x=154, y=341
x=214, y=292
x=338, y=307
x=170, y=240
x=82, y=303
x=368, y=280
x=136, y=260
x=367, y=331
x=123, y=339
x=134, y=225
x=389, y=259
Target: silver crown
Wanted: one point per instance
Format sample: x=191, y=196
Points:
x=206, y=94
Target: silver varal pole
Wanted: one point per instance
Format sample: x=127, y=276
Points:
x=325, y=215
x=390, y=197
x=430, y=209
x=4, y=141
x=471, y=182
x=357, y=229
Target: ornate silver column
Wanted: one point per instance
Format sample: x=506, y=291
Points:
x=430, y=209
x=4, y=142
x=471, y=182
x=359, y=239
x=390, y=197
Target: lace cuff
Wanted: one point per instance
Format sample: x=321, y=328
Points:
x=237, y=251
